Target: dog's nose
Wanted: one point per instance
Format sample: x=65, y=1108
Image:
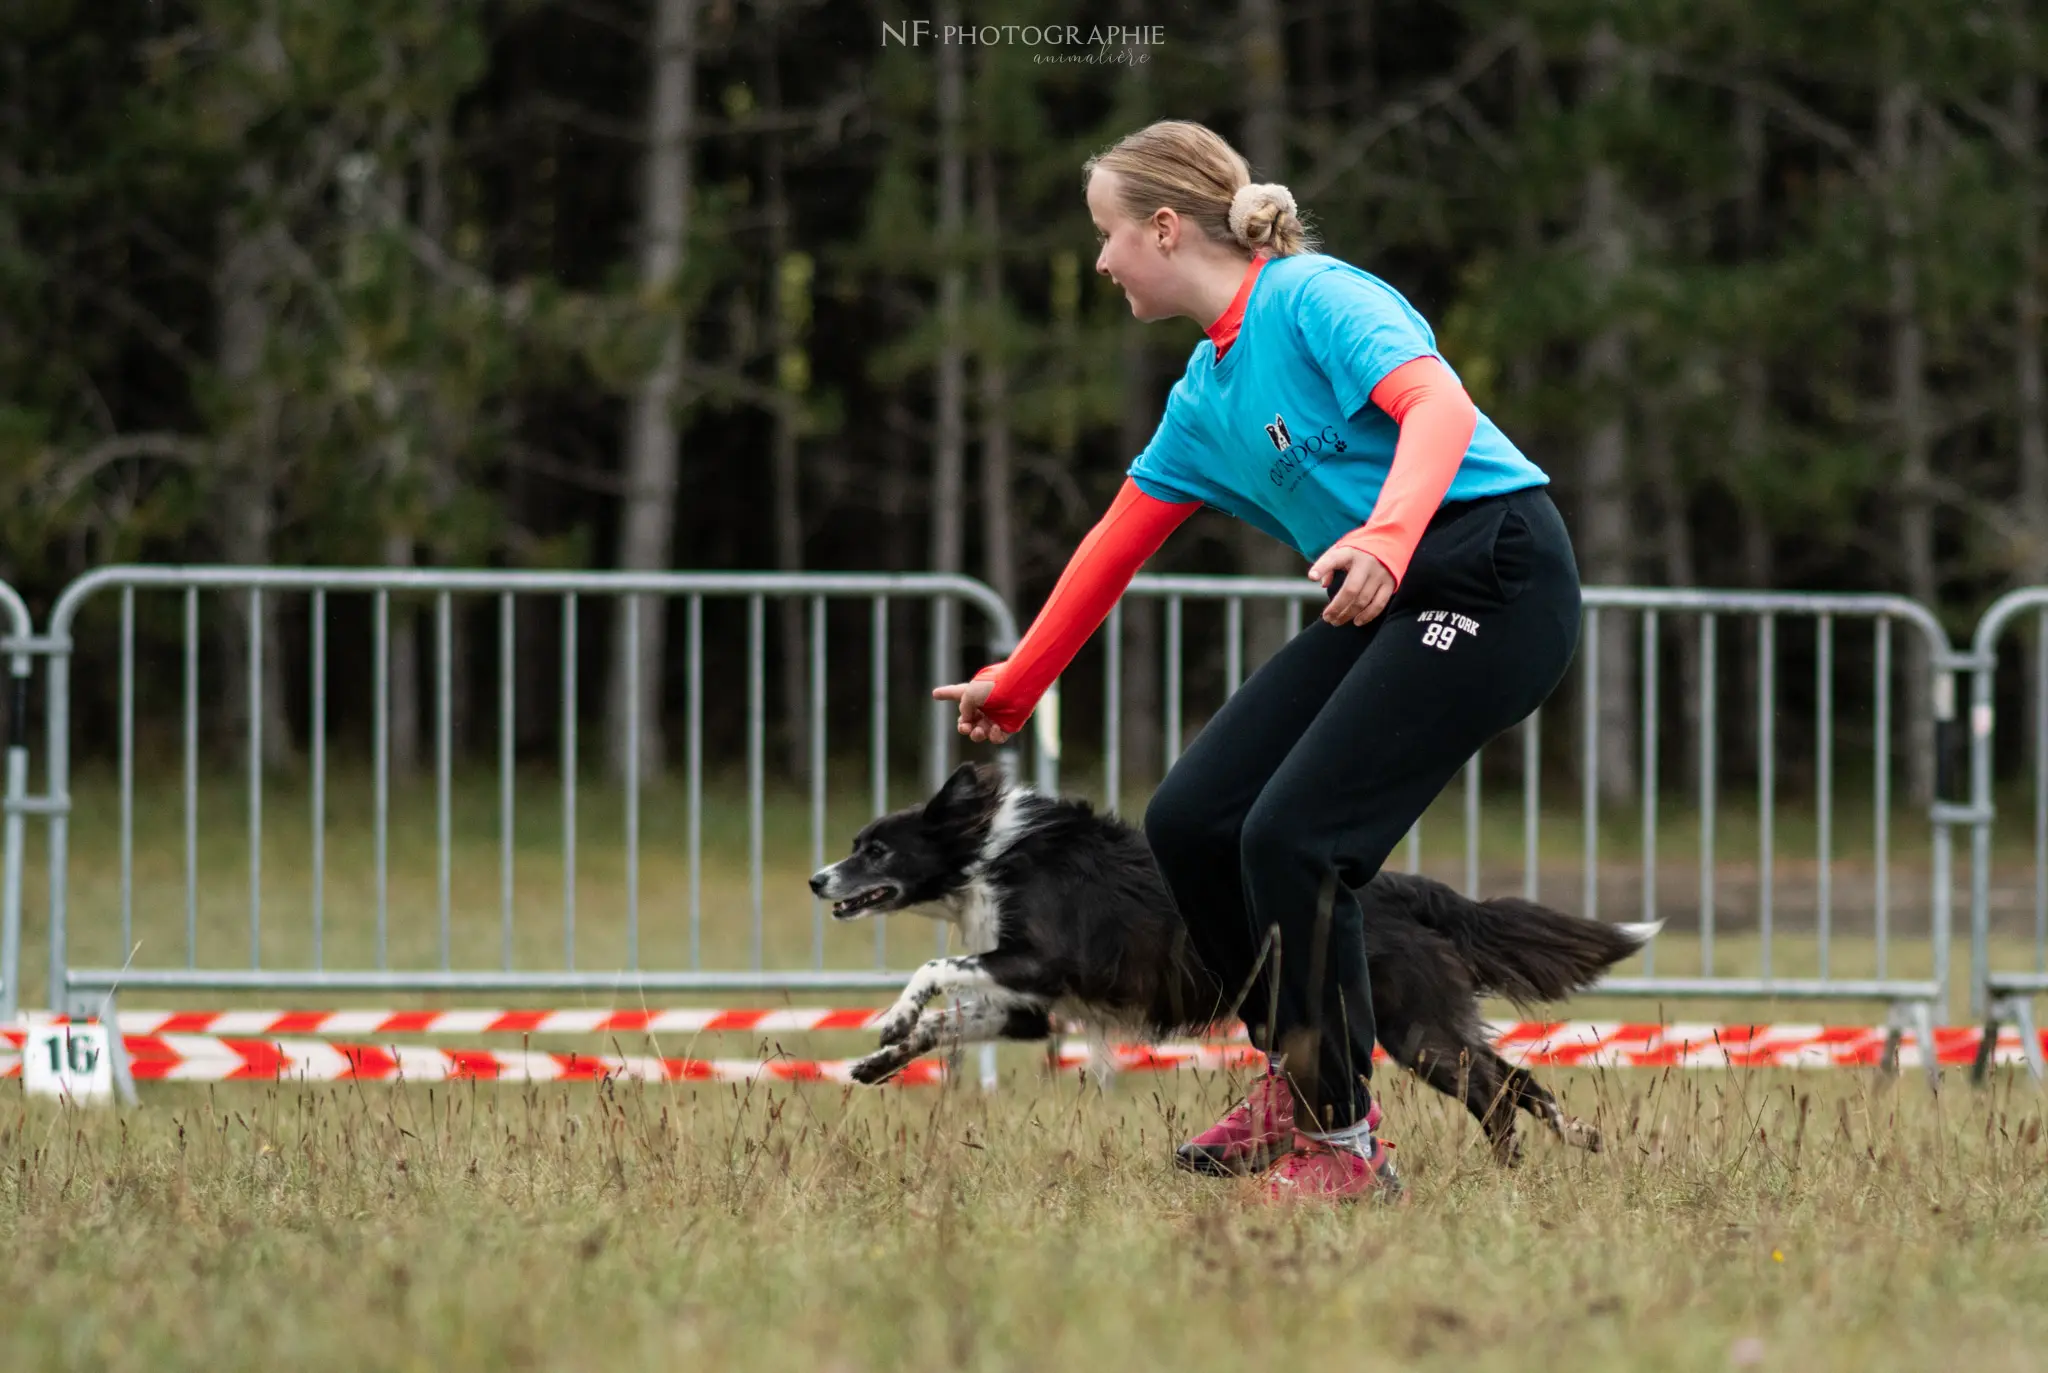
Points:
x=817, y=884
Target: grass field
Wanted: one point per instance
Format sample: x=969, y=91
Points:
x=1782, y=1221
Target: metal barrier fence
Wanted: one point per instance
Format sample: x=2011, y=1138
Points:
x=1916, y=996
x=427, y=961
x=1798, y=950
x=2001, y=993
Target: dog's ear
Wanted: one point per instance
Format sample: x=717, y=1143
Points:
x=960, y=792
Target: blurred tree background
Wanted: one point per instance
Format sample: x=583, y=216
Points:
x=710, y=284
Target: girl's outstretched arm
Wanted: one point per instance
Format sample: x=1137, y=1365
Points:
x=1096, y=576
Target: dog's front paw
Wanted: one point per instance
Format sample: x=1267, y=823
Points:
x=878, y=1067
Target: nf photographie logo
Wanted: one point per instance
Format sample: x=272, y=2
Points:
x=1096, y=43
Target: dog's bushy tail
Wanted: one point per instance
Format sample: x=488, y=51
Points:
x=1527, y=952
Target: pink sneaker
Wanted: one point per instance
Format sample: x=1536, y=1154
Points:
x=1316, y=1171
x=1258, y=1131
x=1255, y=1133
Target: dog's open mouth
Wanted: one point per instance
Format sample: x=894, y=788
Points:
x=864, y=901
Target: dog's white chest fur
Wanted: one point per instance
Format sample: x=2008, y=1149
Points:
x=979, y=914
x=978, y=909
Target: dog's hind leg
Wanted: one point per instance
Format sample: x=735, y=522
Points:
x=1533, y=1097
x=1473, y=1076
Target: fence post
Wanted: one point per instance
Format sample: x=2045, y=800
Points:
x=1046, y=742
x=1945, y=813
x=1983, y=687
x=1996, y=996
x=18, y=667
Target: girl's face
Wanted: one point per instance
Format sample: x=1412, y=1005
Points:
x=1135, y=254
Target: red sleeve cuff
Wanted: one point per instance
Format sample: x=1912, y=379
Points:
x=1011, y=715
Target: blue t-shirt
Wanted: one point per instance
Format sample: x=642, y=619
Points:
x=1282, y=433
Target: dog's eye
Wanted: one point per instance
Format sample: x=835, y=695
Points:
x=876, y=850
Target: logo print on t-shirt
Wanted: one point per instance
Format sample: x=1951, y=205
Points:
x=1296, y=458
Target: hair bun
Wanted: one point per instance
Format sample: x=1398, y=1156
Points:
x=1249, y=222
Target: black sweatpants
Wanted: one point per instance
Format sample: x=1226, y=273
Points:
x=1297, y=790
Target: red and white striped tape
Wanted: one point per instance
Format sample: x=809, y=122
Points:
x=672, y=1020
x=179, y=1056
x=1617, y=1044
x=217, y=1058
x=1614, y=1044
x=1593, y=1043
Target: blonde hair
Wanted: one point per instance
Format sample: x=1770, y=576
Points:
x=1190, y=169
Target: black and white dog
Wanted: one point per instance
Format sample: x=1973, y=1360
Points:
x=1068, y=917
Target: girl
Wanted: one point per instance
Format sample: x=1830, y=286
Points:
x=1318, y=410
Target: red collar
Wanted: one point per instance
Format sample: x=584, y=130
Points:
x=1223, y=332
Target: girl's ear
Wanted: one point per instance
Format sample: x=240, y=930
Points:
x=1165, y=227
